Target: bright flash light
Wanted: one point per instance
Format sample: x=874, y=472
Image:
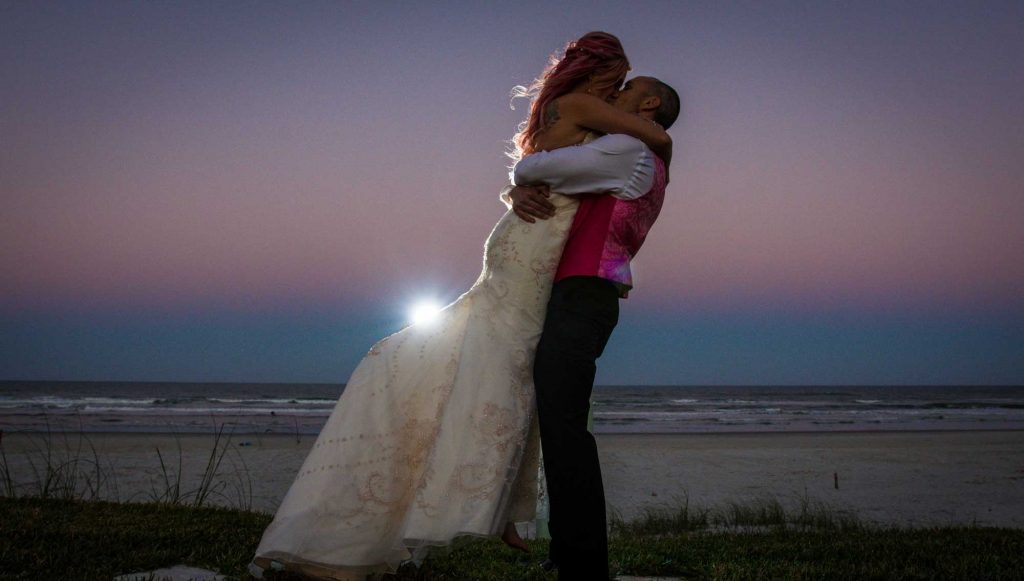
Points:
x=424, y=312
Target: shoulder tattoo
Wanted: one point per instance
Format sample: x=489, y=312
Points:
x=551, y=113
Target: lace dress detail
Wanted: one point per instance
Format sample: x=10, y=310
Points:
x=435, y=435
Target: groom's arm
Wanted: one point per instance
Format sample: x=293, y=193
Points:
x=616, y=164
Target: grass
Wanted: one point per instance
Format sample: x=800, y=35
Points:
x=209, y=486
x=64, y=472
x=75, y=539
x=57, y=473
x=764, y=514
x=57, y=527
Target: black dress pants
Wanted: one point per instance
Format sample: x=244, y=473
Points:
x=581, y=314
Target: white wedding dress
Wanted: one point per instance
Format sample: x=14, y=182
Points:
x=435, y=435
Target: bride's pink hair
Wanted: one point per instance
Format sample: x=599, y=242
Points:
x=593, y=53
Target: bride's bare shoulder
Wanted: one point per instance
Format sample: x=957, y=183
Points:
x=559, y=128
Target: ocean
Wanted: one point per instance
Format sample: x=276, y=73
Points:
x=300, y=408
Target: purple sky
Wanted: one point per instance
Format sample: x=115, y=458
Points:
x=257, y=191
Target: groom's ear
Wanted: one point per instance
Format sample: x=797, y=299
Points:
x=650, y=103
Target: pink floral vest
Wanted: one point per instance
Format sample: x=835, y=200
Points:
x=607, y=232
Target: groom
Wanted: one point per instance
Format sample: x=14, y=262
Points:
x=607, y=231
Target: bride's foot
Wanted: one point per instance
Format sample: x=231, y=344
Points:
x=511, y=538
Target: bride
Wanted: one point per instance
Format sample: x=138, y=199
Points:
x=435, y=434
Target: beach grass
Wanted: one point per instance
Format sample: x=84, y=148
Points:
x=75, y=539
x=62, y=470
x=759, y=515
x=56, y=525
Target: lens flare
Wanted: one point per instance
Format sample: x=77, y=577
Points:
x=424, y=312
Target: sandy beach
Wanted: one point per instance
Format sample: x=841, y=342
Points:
x=900, y=478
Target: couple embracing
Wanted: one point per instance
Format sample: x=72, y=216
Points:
x=441, y=428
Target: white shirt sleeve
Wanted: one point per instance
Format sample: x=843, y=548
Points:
x=615, y=164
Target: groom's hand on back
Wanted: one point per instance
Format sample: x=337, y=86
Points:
x=531, y=203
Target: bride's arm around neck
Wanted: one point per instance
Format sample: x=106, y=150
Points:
x=588, y=112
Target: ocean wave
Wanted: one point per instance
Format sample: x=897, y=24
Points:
x=134, y=411
x=269, y=400
x=127, y=406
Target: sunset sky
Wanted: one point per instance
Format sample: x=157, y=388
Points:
x=258, y=191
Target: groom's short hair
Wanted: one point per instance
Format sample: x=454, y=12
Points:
x=668, y=111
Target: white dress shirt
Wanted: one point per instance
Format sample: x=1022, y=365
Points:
x=615, y=164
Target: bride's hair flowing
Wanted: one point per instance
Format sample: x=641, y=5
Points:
x=593, y=53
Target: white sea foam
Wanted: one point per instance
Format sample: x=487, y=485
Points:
x=261, y=407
